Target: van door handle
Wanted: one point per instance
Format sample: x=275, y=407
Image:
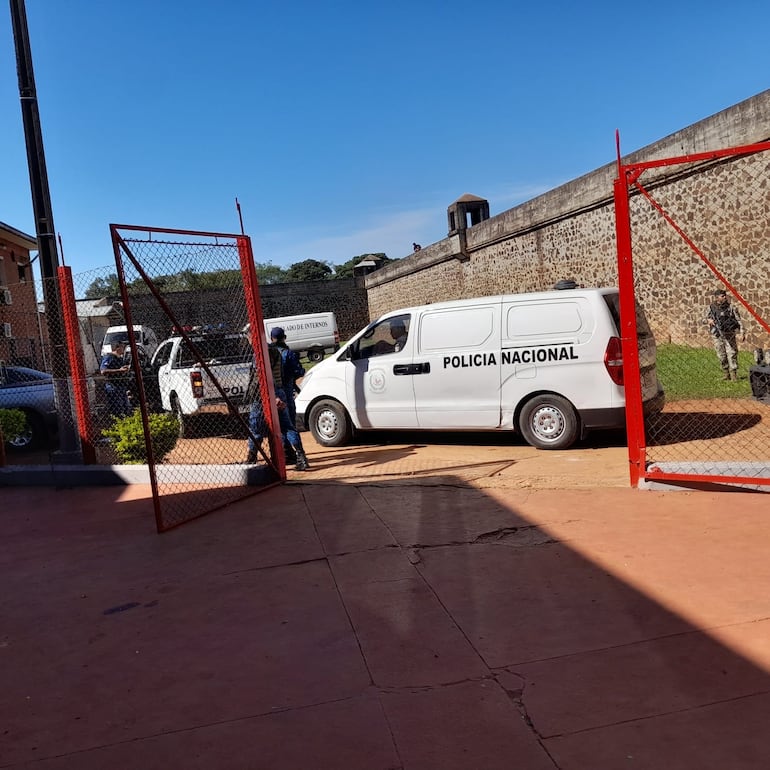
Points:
x=423, y=368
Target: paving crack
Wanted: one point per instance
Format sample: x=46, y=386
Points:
x=517, y=537
x=514, y=685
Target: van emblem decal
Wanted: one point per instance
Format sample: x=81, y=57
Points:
x=377, y=380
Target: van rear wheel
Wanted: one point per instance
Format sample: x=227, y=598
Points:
x=549, y=422
x=316, y=355
x=330, y=424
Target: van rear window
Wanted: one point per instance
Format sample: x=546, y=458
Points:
x=554, y=318
x=642, y=326
x=112, y=337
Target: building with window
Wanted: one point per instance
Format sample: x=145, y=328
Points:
x=20, y=334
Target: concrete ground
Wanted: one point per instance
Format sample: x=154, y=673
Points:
x=432, y=605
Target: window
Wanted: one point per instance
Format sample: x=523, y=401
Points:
x=456, y=329
x=554, y=318
x=22, y=273
x=642, y=326
x=20, y=376
x=163, y=354
x=388, y=336
x=223, y=350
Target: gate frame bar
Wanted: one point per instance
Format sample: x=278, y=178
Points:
x=628, y=178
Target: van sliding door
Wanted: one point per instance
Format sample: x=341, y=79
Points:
x=460, y=349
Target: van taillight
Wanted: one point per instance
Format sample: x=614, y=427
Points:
x=336, y=337
x=196, y=381
x=613, y=360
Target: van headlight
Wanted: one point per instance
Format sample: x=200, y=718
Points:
x=306, y=378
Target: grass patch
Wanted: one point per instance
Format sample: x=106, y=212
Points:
x=694, y=373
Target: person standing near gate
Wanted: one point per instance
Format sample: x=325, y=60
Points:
x=291, y=369
x=117, y=379
x=724, y=323
x=289, y=433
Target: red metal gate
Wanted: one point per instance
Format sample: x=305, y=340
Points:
x=188, y=297
x=688, y=227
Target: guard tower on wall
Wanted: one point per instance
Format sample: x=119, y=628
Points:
x=466, y=211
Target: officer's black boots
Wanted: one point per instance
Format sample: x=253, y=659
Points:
x=302, y=463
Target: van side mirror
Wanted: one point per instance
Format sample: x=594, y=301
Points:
x=351, y=353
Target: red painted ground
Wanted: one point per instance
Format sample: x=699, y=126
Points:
x=420, y=620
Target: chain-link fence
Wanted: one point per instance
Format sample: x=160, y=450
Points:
x=703, y=236
x=184, y=372
x=36, y=390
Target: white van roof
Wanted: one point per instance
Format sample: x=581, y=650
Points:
x=499, y=298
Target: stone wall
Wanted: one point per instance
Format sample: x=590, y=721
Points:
x=343, y=297
x=569, y=232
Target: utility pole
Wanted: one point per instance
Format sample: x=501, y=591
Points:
x=44, y=228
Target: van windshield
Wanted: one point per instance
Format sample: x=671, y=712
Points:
x=642, y=327
x=112, y=337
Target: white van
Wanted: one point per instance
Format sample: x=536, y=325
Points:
x=547, y=364
x=143, y=335
x=312, y=334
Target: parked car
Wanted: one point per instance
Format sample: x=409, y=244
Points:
x=32, y=392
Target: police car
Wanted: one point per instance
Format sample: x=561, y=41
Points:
x=184, y=386
x=546, y=364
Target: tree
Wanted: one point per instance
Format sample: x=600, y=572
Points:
x=108, y=286
x=268, y=273
x=308, y=270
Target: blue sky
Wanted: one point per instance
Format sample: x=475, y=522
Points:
x=349, y=126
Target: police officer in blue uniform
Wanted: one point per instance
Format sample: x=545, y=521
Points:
x=117, y=380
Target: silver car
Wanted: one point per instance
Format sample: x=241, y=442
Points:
x=32, y=392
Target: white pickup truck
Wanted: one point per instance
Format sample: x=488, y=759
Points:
x=184, y=386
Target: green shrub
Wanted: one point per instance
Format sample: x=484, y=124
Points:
x=12, y=423
x=127, y=435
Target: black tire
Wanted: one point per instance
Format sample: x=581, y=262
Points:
x=549, y=422
x=330, y=424
x=184, y=423
x=315, y=355
x=33, y=436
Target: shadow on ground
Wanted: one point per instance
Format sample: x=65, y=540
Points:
x=344, y=626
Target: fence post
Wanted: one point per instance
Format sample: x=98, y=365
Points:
x=77, y=367
x=628, y=339
x=254, y=310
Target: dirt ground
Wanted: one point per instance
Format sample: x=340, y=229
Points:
x=686, y=431
x=717, y=430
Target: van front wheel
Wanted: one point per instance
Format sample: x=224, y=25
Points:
x=330, y=424
x=549, y=422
